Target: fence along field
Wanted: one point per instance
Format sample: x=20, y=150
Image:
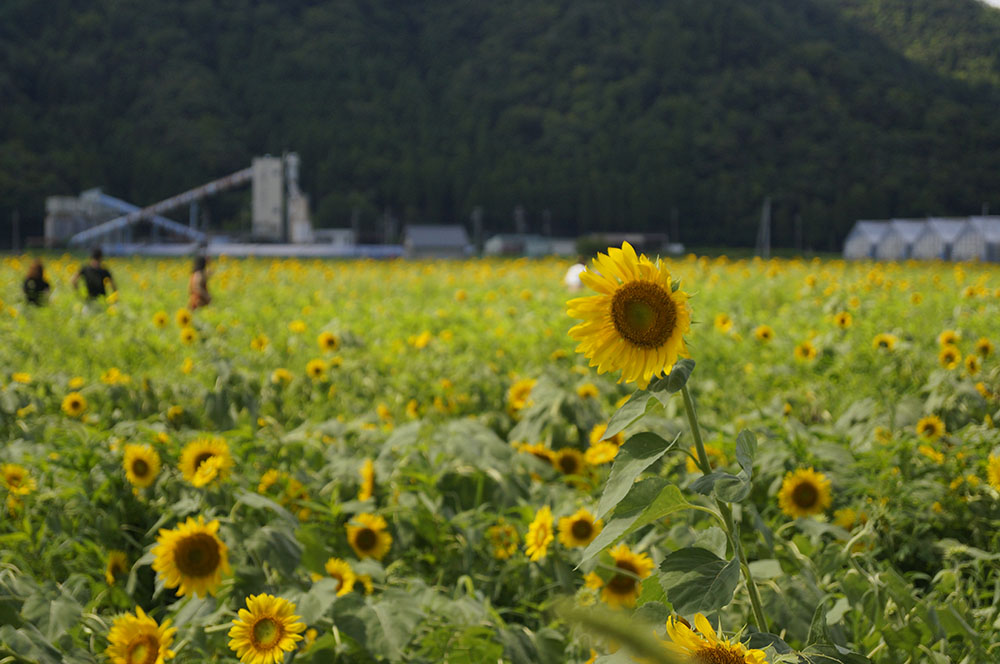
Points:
x=409, y=461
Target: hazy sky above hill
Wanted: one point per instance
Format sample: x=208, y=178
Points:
x=995, y=3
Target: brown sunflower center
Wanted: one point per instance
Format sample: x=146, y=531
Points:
x=366, y=539
x=623, y=584
x=568, y=464
x=719, y=654
x=883, y=343
x=582, y=529
x=643, y=313
x=340, y=579
x=140, y=468
x=202, y=458
x=143, y=650
x=197, y=555
x=805, y=494
x=266, y=633
x=14, y=481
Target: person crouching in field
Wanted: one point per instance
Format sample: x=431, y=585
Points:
x=95, y=275
x=198, y=284
x=36, y=289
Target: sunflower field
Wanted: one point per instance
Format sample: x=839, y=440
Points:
x=690, y=459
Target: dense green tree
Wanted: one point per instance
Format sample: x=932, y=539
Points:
x=610, y=116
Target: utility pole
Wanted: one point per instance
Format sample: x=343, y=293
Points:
x=764, y=230
x=477, y=229
x=15, y=231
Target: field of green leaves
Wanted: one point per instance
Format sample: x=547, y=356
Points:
x=411, y=462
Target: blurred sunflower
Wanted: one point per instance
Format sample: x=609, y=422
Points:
x=191, y=557
x=622, y=589
x=316, y=369
x=260, y=343
x=569, y=461
x=183, y=318
x=638, y=320
x=763, y=333
x=972, y=364
x=804, y=492
x=949, y=357
x=196, y=453
x=16, y=479
x=587, y=391
x=117, y=565
x=932, y=454
x=519, y=395
x=328, y=341
x=843, y=320
x=579, y=530
x=160, y=319
x=367, y=489
x=805, y=351
x=74, y=404
x=723, y=323
x=142, y=465
x=265, y=630
x=597, y=435
x=536, y=543
x=138, y=639
x=884, y=341
x=281, y=376
x=984, y=347
x=600, y=453
x=368, y=537
x=297, y=327
x=340, y=570
x=21, y=377
x=930, y=427
x=716, y=458
x=993, y=471
x=504, y=538
x=537, y=450
x=948, y=338
x=703, y=645
x=76, y=382
x=188, y=335
x=366, y=586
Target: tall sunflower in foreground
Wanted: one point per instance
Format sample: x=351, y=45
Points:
x=804, y=492
x=637, y=321
x=138, y=639
x=142, y=465
x=266, y=630
x=198, y=452
x=368, y=537
x=703, y=645
x=191, y=556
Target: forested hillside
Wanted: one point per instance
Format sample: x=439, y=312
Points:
x=611, y=115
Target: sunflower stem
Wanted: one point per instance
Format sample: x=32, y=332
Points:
x=727, y=514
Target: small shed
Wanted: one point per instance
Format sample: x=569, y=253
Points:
x=863, y=239
x=978, y=241
x=937, y=238
x=897, y=241
x=436, y=241
x=517, y=244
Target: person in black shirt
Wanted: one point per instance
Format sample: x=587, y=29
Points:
x=36, y=289
x=94, y=275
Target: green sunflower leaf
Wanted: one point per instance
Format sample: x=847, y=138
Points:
x=636, y=455
x=640, y=403
x=647, y=501
x=697, y=580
